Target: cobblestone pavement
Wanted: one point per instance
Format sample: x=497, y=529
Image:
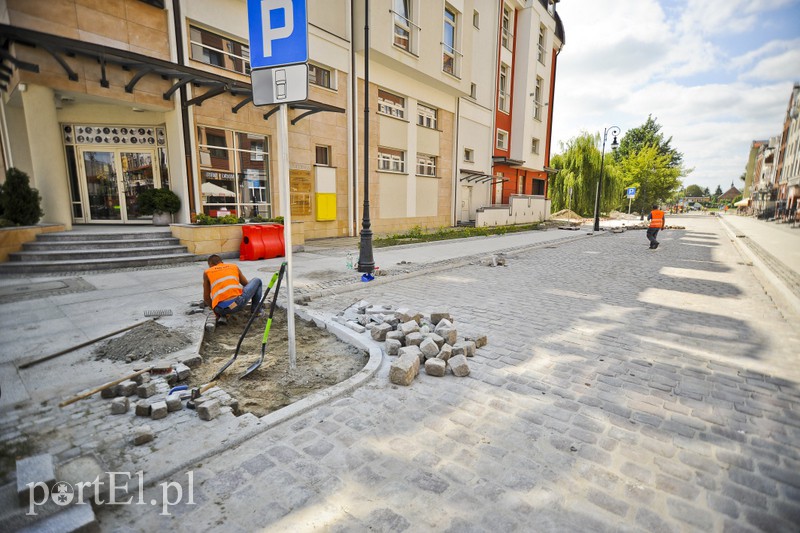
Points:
x=622, y=389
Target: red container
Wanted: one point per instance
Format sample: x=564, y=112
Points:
x=272, y=237
x=252, y=247
x=262, y=241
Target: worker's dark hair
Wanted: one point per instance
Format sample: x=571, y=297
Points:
x=214, y=260
x=655, y=206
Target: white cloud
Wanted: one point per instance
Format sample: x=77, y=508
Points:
x=627, y=59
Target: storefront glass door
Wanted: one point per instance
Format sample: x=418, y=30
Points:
x=137, y=175
x=102, y=189
x=112, y=182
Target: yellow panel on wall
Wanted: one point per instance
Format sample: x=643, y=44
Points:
x=326, y=206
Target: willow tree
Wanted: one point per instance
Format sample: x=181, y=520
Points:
x=578, y=167
x=653, y=175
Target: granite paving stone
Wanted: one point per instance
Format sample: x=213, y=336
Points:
x=598, y=406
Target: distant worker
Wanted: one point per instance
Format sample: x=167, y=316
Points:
x=226, y=290
x=657, y=220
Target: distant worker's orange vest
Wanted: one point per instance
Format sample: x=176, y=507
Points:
x=657, y=219
x=224, y=279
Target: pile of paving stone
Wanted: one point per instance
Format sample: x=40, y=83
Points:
x=428, y=341
x=156, y=401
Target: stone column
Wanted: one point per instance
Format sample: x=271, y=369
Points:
x=48, y=164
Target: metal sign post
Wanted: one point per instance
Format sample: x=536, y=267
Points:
x=278, y=58
x=283, y=175
x=630, y=192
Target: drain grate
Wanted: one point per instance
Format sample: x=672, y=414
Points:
x=158, y=312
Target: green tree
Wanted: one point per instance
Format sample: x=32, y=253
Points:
x=706, y=192
x=694, y=191
x=21, y=204
x=718, y=192
x=648, y=134
x=578, y=167
x=653, y=175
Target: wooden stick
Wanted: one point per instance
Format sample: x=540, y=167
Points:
x=103, y=387
x=73, y=348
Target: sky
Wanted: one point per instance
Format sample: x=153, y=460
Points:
x=715, y=74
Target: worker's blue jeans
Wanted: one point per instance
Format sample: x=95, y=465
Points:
x=251, y=291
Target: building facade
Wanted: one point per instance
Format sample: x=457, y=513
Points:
x=788, y=165
x=102, y=100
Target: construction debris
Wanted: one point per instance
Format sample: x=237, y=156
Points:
x=143, y=435
x=416, y=339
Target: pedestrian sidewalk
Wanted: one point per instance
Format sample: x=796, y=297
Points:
x=47, y=314
x=775, y=250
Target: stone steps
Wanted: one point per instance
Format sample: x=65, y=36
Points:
x=72, y=244
x=95, y=253
x=72, y=252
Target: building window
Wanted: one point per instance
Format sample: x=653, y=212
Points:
x=323, y=156
x=537, y=99
x=321, y=76
x=473, y=90
x=391, y=160
x=391, y=104
x=402, y=24
x=234, y=173
x=507, y=37
x=503, y=89
x=502, y=140
x=426, y=116
x=469, y=155
x=426, y=165
x=217, y=143
x=542, y=40
x=535, y=146
x=219, y=51
x=449, y=51
x=257, y=150
x=476, y=19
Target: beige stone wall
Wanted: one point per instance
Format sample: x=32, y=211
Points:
x=12, y=239
x=387, y=193
x=221, y=239
x=124, y=24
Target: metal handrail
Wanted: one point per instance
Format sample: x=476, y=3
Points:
x=410, y=22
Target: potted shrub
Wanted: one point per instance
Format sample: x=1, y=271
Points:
x=20, y=204
x=161, y=203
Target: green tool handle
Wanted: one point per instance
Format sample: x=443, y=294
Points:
x=272, y=307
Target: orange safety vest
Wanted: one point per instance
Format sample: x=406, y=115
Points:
x=224, y=280
x=657, y=219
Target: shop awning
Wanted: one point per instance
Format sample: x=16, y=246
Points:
x=744, y=202
x=210, y=189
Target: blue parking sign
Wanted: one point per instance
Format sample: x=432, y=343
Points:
x=278, y=32
x=630, y=192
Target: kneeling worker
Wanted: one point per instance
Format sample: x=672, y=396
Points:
x=226, y=290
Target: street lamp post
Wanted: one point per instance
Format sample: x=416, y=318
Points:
x=614, y=130
x=366, y=261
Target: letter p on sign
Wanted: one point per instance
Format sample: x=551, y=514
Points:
x=278, y=32
x=278, y=22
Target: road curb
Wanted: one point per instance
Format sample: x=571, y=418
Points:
x=773, y=285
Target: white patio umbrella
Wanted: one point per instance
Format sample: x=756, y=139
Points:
x=209, y=189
